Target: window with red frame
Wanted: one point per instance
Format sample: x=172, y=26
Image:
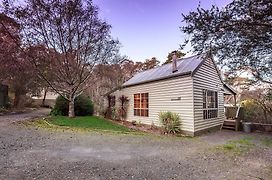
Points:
x=141, y=104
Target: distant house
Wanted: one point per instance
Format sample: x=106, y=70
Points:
x=191, y=87
x=45, y=98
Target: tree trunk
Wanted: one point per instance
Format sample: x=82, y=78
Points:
x=265, y=116
x=44, y=97
x=72, y=108
x=16, y=101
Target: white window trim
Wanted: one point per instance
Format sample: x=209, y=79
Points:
x=207, y=108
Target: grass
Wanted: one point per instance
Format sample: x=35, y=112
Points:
x=88, y=122
x=267, y=142
x=238, y=146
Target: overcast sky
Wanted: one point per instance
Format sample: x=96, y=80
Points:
x=149, y=28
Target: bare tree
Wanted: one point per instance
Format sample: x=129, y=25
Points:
x=75, y=40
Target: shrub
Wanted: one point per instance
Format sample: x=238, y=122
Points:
x=61, y=107
x=3, y=110
x=114, y=114
x=254, y=112
x=110, y=111
x=55, y=112
x=83, y=106
x=258, y=105
x=123, y=108
x=170, y=121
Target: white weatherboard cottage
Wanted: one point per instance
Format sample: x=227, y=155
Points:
x=191, y=87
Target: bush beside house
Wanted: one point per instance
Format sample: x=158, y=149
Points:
x=255, y=113
x=170, y=121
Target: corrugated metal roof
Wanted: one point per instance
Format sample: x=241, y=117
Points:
x=184, y=66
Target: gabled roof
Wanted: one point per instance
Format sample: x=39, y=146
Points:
x=228, y=90
x=184, y=65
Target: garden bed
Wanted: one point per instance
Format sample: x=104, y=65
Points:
x=151, y=129
x=140, y=127
x=261, y=127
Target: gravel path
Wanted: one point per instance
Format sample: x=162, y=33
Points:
x=28, y=152
x=8, y=119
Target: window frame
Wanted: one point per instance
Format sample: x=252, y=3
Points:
x=210, y=104
x=141, y=106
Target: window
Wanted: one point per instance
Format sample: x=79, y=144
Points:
x=141, y=104
x=210, y=104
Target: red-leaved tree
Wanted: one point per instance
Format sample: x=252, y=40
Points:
x=75, y=39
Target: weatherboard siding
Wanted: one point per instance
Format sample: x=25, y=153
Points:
x=163, y=97
x=207, y=77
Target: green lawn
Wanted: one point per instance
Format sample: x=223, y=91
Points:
x=89, y=122
x=239, y=146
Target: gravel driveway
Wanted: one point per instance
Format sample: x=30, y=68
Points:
x=8, y=119
x=28, y=152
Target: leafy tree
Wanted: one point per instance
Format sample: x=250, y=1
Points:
x=15, y=70
x=130, y=68
x=150, y=63
x=239, y=35
x=7, y=45
x=108, y=77
x=75, y=40
x=169, y=56
x=44, y=66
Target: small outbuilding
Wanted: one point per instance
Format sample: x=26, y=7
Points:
x=3, y=95
x=191, y=87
